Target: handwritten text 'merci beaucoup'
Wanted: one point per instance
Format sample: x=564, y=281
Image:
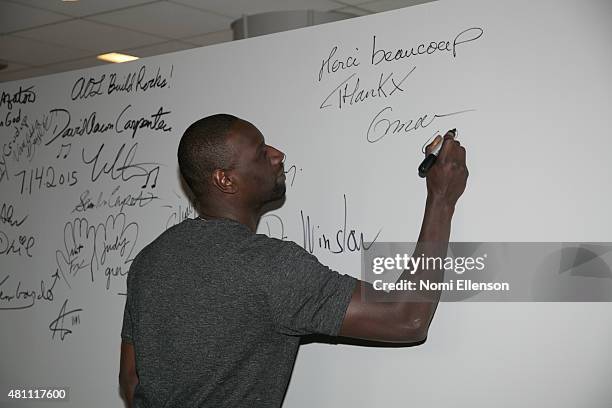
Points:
x=335, y=62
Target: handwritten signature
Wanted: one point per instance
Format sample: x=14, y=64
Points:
x=57, y=325
x=29, y=296
x=381, y=125
x=122, y=166
x=346, y=240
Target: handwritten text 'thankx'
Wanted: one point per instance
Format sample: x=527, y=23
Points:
x=350, y=91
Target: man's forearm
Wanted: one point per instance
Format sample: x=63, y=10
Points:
x=436, y=221
x=419, y=304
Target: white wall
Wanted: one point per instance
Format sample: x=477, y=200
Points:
x=536, y=86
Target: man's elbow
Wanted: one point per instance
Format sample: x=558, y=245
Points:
x=128, y=377
x=413, y=320
x=413, y=331
x=127, y=384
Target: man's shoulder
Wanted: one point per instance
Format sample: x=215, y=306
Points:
x=167, y=241
x=277, y=246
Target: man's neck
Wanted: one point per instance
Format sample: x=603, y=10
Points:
x=244, y=217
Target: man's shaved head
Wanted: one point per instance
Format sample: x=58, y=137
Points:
x=203, y=149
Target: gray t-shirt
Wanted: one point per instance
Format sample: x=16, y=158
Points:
x=215, y=313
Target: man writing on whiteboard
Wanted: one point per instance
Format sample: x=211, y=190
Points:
x=214, y=311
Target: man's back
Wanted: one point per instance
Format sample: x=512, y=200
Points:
x=215, y=313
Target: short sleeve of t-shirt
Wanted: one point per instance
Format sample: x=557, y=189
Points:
x=306, y=296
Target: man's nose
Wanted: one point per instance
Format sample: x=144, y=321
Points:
x=277, y=155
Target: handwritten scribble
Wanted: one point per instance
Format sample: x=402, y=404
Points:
x=337, y=242
x=26, y=138
x=139, y=81
x=65, y=148
x=273, y=226
x=20, y=245
x=179, y=213
x=382, y=55
x=57, y=326
x=20, y=298
x=156, y=122
x=89, y=125
x=47, y=178
x=114, y=243
x=331, y=65
x=78, y=251
x=351, y=92
x=113, y=200
x=381, y=125
x=291, y=172
x=20, y=97
x=121, y=166
x=107, y=246
x=7, y=212
x=11, y=119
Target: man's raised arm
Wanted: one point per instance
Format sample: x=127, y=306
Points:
x=371, y=314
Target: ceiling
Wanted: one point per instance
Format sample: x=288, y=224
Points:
x=39, y=37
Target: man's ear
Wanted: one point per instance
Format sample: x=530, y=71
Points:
x=225, y=181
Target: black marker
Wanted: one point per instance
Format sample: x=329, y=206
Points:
x=431, y=157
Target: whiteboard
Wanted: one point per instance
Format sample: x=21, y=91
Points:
x=89, y=176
